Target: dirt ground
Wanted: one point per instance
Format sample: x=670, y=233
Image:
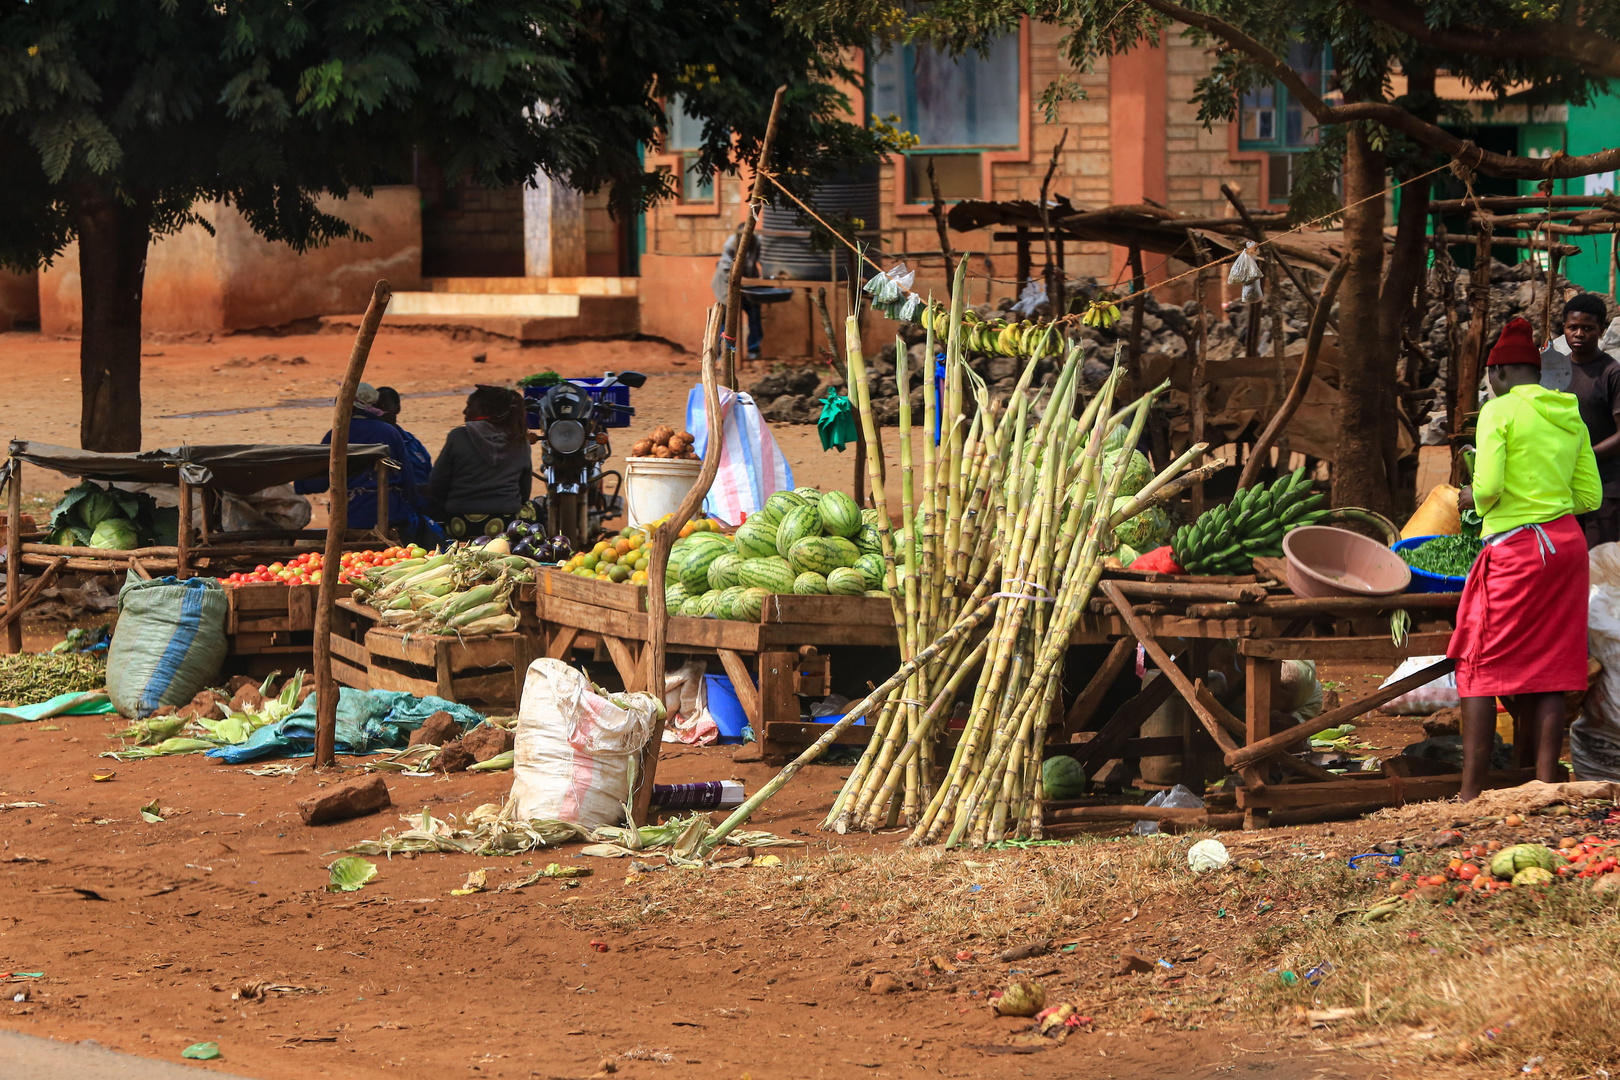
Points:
x=250, y=388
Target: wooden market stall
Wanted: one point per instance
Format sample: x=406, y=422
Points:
x=267, y=620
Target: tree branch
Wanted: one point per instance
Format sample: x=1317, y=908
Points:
x=1592, y=52
x=1392, y=116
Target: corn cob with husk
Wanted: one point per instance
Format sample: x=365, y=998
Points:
x=1009, y=503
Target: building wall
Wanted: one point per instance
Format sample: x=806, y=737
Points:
x=1591, y=128
x=19, y=298
x=1135, y=134
x=237, y=280
x=472, y=231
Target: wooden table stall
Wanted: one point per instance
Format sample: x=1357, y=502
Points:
x=264, y=620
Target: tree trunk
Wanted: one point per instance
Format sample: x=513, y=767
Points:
x=113, y=237
x=1366, y=368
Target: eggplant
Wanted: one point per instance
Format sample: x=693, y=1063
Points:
x=562, y=546
x=545, y=552
x=480, y=541
x=517, y=530
x=524, y=548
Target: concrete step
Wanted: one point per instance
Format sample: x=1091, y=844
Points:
x=524, y=317
x=578, y=286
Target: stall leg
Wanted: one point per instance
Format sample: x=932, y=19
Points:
x=14, y=640
x=383, y=525
x=1257, y=672
x=1191, y=775
x=182, y=558
x=777, y=702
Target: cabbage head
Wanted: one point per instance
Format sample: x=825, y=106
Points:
x=115, y=534
x=1138, y=470
x=1145, y=531
x=95, y=508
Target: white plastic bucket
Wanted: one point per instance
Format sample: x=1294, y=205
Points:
x=654, y=487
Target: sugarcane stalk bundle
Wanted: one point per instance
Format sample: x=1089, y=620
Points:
x=1005, y=529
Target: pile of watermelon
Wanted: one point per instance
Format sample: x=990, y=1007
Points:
x=803, y=542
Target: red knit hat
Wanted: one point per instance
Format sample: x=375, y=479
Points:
x=1515, y=346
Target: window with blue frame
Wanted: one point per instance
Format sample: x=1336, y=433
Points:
x=1270, y=119
x=683, y=138
x=958, y=107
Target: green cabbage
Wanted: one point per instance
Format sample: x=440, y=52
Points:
x=1138, y=470
x=115, y=534
x=70, y=536
x=1145, y=531
x=95, y=508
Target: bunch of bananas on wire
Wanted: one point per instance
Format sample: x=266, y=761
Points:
x=997, y=337
x=1226, y=539
x=1103, y=312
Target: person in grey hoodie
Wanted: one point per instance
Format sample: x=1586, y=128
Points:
x=481, y=479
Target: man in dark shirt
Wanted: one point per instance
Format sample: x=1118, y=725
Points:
x=1595, y=382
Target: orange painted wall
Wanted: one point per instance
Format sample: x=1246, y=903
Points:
x=19, y=298
x=236, y=280
x=1137, y=120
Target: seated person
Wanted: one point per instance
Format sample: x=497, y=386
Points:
x=367, y=426
x=483, y=476
x=417, y=456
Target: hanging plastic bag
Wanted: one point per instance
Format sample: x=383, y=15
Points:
x=1031, y=297
x=1594, y=739
x=891, y=293
x=1246, y=272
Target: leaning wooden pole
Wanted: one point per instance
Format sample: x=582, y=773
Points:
x=734, y=284
x=326, y=689
x=14, y=634
x=663, y=538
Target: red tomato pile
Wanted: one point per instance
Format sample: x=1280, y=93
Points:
x=1591, y=857
x=306, y=568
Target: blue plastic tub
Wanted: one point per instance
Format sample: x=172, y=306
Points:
x=725, y=708
x=617, y=394
x=1422, y=580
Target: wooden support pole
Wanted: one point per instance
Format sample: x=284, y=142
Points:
x=326, y=687
x=1465, y=394
x=11, y=618
x=383, y=514
x=662, y=539
x=1102, y=680
x=1133, y=354
x=14, y=554
x=182, y=557
x=745, y=239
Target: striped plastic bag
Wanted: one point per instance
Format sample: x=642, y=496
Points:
x=752, y=467
x=168, y=644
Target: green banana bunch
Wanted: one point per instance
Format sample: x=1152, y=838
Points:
x=1226, y=539
x=997, y=338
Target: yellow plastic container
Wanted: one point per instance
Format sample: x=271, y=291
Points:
x=1438, y=516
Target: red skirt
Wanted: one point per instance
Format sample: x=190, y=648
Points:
x=1521, y=623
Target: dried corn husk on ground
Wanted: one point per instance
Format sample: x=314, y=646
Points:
x=1001, y=529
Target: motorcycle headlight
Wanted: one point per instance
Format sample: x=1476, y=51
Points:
x=566, y=436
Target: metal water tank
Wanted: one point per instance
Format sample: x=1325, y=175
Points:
x=785, y=232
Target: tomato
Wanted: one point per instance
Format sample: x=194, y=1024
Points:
x=1468, y=871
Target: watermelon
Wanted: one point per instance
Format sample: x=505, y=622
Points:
x=808, y=494
x=877, y=594
x=724, y=605
x=691, y=607
x=778, y=505
x=695, y=568
x=870, y=517
x=821, y=554
x=708, y=602
x=674, y=596
x=723, y=571
x=868, y=540
x=840, y=515
x=749, y=606
x=773, y=574
x=810, y=583
x=801, y=521
x=871, y=569
x=698, y=539
x=844, y=581
x=756, y=538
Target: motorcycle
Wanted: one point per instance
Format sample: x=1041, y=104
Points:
x=573, y=445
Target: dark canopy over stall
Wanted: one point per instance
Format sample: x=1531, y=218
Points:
x=238, y=469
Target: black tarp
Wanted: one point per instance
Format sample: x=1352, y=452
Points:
x=239, y=469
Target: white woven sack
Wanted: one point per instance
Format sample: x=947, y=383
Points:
x=571, y=761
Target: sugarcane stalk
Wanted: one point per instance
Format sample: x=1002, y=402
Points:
x=964, y=625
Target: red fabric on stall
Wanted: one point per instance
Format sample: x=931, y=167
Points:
x=1521, y=623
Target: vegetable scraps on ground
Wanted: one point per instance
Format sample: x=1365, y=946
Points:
x=1448, y=556
x=29, y=677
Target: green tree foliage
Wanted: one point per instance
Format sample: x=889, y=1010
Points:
x=118, y=117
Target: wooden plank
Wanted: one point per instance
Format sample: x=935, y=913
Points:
x=495, y=689
x=1347, y=648
x=352, y=651
x=603, y=594
x=562, y=642
x=624, y=661
x=742, y=681
x=383, y=678
x=778, y=735
x=301, y=606
x=827, y=610
x=245, y=598
x=1191, y=590
x=1257, y=672
x=1337, y=607
x=413, y=649
x=1102, y=680
x=349, y=674
x=1120, y=728
x=1392, y=790
x=777, y=702
x=1255, y=750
